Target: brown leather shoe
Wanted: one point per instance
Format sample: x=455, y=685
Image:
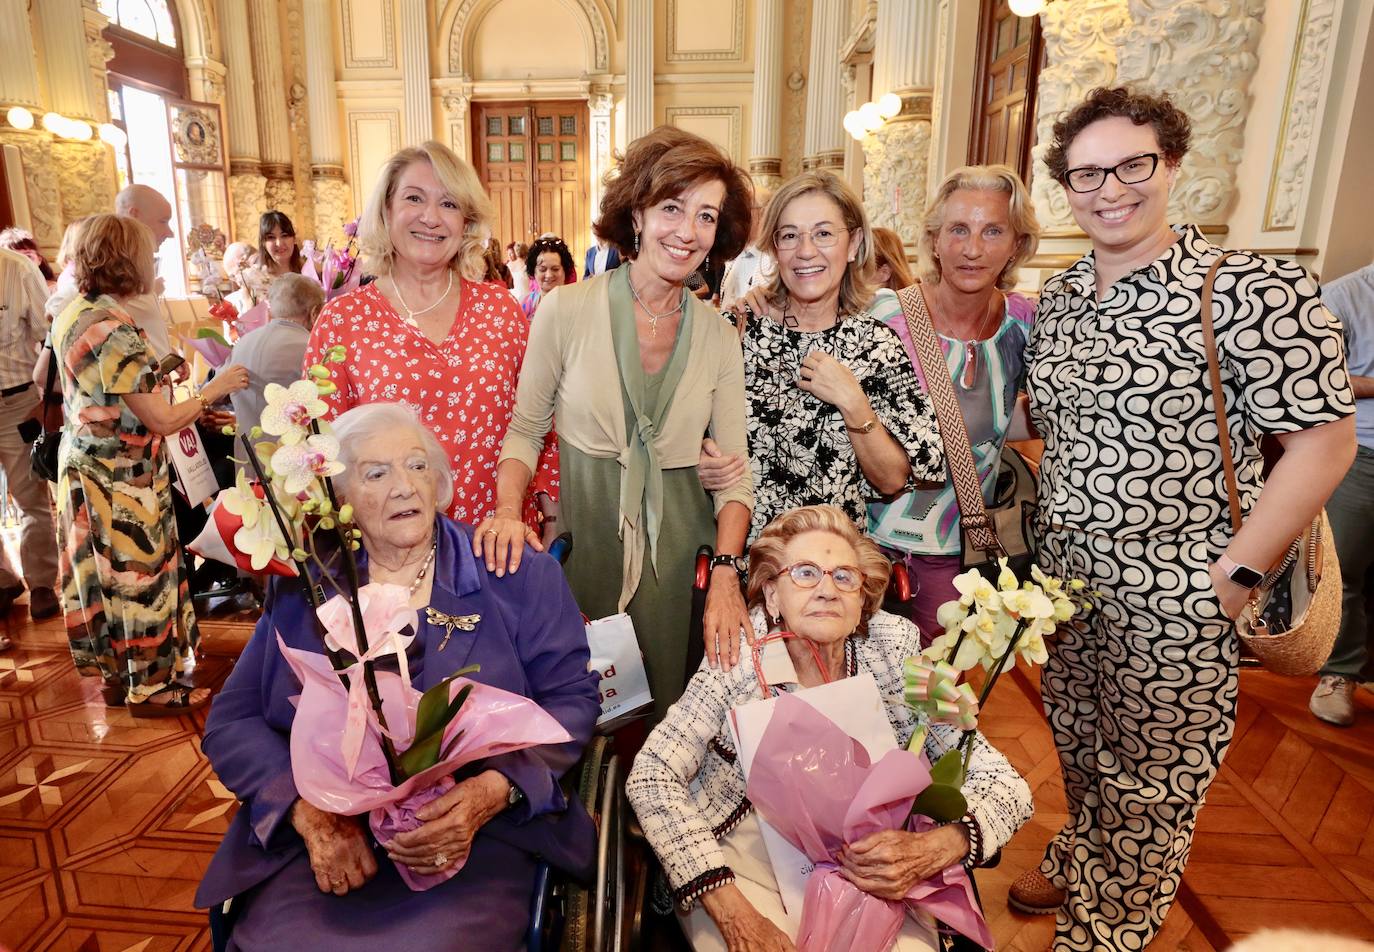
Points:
x=43, y=604
x=1033, y=894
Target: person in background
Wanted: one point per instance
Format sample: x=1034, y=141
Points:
x=550, y=265
x=275, y=352
x=978, y=229
x=601, y=257
x=1351, y=506
x=890, y=269
x=17, y=239
x=752, y=267
x=147, y=206
x=515, y=261
x=1141, y=695
x=278, y=250
x=64, y=289
x=430, y=332
x=239, y=259
x=128, y=613
x=496, y=270
x=22, y=330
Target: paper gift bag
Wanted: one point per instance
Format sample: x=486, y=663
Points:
x=856, y=707
x=624, y=687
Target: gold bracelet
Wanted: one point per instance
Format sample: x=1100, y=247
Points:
x=204, y=403
x=864, y=428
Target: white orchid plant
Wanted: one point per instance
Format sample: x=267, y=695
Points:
x=987, y=625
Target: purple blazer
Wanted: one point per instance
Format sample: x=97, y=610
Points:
x=530, y=640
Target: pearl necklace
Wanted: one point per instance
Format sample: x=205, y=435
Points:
x=411, y=315
x=653, y=318
x=424, y=569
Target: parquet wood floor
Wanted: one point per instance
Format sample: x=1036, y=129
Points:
x=107, y=823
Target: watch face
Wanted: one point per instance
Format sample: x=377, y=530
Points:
x=1245, y=576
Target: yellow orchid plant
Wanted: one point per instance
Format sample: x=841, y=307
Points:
x=988, y=625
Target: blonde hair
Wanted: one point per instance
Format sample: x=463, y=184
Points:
x=980, y=178
x=856, y=287
x=66, y=251
x=461, y=182
x=766, y=554
x=114, y=255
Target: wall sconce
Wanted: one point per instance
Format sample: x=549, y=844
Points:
x=871, y=116
x=1026, y=8
x=111, y=134
x=19, y=117
x=60, y=125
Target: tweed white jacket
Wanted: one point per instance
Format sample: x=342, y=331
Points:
x=688, y=788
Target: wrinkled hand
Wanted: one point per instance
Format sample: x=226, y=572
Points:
x=500, y=541
x=449, y=824
x=230, y=379
x=756, y=299
x=827, y=378
x=743, y=927
x=725, y=617
x=889, y=863
x=716, y=470
x=217, y=418
x=1233, y=597
x=340, y=854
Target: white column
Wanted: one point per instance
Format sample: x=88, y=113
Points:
x=639, y=92
x=62, y=35
x=600, y=105
x=418, y=119
x=18, y=76
x=765, y=138
x=274, y=131
x=239, y=104
x=326, y=150
x=824, y=140
x=904, y=45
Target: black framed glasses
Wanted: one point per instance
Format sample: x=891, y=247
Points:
x=826, y=236
x=1132, y=171
x=847, y=578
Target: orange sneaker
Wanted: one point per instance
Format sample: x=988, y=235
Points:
x=1034, y=894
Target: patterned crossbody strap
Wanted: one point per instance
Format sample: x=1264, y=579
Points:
x=1209, y=340
x=968, y=488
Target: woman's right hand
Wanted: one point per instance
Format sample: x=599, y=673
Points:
x=743, y=927
x=500, y=541
x=227, y=380
x=756, y=299
x=340, y=856
x=716, y=470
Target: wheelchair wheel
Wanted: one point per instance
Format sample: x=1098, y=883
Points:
x=595, y=918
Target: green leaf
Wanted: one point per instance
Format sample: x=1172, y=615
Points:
x=435, y=711
x=949, y=770
x=448, y=748
x=209, y=333
x=423, y=754
x=941, y=802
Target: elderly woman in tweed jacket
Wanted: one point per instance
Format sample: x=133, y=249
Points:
x=813, y=574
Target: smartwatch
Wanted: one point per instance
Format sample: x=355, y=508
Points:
x=1244, y=576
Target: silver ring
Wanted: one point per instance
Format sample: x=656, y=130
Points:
x=440, y=860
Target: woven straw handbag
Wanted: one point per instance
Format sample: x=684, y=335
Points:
x=1295, y=612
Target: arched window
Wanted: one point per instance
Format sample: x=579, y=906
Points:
x=151, y=19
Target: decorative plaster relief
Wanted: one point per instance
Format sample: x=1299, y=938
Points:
x=1307, y=81
x=248, y=196
x=796, y=44
x=86, y=178
x=281, y=195
x=1203, y=52
x=734, y=115
x=331, y=208
x=467, y=13
x=727, y=29
x=41, y=184
x=361, y=17
x=1081, y=40
x=372, y=137
x=896, y=170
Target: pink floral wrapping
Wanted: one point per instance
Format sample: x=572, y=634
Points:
x=817, y=787
x=331, y=776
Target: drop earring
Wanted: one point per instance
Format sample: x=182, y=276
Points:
x=636, y=243
x=707, y=265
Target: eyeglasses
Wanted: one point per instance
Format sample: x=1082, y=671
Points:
x=847, y=578
x=786, y=239
x=1133, y=171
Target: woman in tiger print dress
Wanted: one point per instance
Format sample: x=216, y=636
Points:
x=1141, y=697
x=129, y=618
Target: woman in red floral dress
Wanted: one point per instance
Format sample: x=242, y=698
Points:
x=428, y=332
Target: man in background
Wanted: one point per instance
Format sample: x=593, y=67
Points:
x=601, y=257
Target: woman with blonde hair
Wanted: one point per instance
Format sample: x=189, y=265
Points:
x=890, y=267
x=978, y=229
x=835, y=414
x=431, y=332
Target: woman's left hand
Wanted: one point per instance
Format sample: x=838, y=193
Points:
x=827, y=378
x=889, y=863
x=444, y=838
x=725, y=617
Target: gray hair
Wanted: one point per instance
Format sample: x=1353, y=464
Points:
x=294, y=297
x=355, y=428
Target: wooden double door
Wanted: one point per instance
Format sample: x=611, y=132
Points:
x=532, y=158
x=1010, y=50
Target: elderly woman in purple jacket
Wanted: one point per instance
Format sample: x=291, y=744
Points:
x=305, y=879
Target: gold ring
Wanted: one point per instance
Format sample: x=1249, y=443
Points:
x=489, y=532
x=440, y=860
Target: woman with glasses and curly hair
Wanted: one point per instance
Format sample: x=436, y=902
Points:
x=1142, y=695
x=811, y=573
x=550, y=265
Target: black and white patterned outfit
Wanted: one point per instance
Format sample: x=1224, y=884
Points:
x=798, y=445
x=1141, y=697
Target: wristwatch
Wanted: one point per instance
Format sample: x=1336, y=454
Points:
x=1244, y=576
x=515, y=797
x=737, y=562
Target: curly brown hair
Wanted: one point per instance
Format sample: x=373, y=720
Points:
x=114, y=255
x=1172, y=126
x=664, y=164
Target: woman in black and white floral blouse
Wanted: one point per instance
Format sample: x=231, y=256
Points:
x=835, y=412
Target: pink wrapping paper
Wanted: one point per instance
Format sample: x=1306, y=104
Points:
x=816, y=786
x=492, y=721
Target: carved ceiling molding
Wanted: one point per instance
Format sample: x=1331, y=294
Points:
x=733, y=28
x=459, y=20
x=351, y=60
x=735, y=114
